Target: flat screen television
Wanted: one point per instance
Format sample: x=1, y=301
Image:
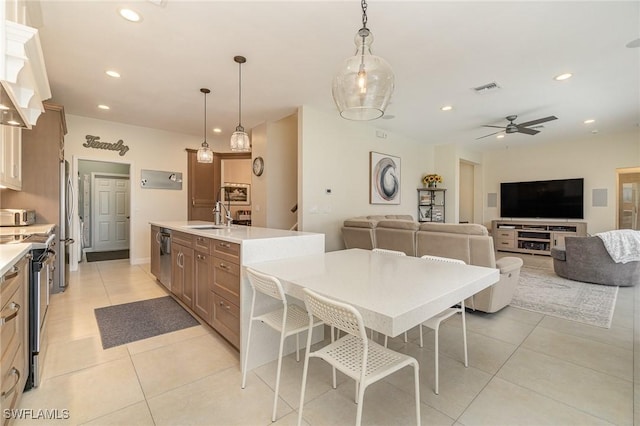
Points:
x=544, y=199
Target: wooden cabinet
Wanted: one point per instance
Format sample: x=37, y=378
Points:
x=182, y=257
x=225, y=289
x=155, y=251
x=532, y=236
x=431, y=204
x=203, y=185
x=203, y=275
x=11, y=162
x=14, y=345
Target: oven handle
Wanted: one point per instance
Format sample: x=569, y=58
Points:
x=17, y=373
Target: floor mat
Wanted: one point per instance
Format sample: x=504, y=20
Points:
x=97, y=256
x=126, y=323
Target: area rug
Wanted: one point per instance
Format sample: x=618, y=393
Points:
x=97, y=256
x=541, y=290
x=126, y=323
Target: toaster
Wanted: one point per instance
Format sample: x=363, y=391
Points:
x=17, y=217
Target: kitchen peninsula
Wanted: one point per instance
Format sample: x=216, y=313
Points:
x=206, y=274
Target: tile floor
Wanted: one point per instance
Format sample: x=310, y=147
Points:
x=525, y=368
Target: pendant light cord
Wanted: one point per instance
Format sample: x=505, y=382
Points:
x=239, y=94
x=364, y=13
x=204, y=131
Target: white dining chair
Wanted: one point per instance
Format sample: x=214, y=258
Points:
x=435, y=321
x=393, y=253
x=288, y=320
x=363, y=360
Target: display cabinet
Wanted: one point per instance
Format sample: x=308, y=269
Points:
x=431, y=204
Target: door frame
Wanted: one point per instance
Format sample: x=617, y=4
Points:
x=621, y=171
x=75, y=220
x=95, y=175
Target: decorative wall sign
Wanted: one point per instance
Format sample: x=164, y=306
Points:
x=157, y=179
x=384, y=179
x=94, y=142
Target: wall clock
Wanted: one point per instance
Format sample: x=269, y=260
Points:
x=258, y=166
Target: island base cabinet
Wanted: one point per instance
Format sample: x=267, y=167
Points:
x=182, y=273
x=226, y=319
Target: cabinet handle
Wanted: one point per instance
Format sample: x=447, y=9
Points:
x=225, y=245
x=223, y=266
x=158, y=237
x=16, y=308
x=12, y=273
x=15, y=371
x=227, y=307
x=180, y=256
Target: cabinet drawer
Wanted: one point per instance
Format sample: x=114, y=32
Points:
x=12, y=280
x=202, y=244
x=226, y=319
x=182, y=238
x=509, y=234
x=13, y=314
x=226, y=280
x=226, y=250
x=505, y=243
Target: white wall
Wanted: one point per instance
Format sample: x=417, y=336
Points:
x=148, y=149
x=282, y=173
x=594, y=158
x=333, y=153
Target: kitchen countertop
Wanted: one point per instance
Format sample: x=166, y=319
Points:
x=40, y=228
x=11, y=253
x=234, y=234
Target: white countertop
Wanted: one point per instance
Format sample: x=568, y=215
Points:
x=44, y=228
x=234, y=234
x=10, y=254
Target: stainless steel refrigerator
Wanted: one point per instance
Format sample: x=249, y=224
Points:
x=67, y=203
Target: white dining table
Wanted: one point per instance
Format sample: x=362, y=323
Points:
x=392, y=293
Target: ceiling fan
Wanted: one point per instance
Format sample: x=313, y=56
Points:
x=520, y=128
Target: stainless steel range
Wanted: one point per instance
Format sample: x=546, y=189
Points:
x=42, y=265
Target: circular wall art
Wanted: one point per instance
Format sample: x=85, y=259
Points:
x=385, y=179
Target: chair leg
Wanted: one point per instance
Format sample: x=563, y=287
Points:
x=275, y=398
x=436, y=358
x=246, y=354
x=416, y=379
x=464, y=335
x=421, y=341
x=360, y=404
x=405, y=337
x=333, y=369
x=304, y=384
x=297, y=347
x=385, y=340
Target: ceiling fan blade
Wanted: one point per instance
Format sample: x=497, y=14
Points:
x=491, y=134
x=497, y=127
x=527, y=131
x=538, y=121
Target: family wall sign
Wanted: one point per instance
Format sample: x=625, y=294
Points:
x=94, y=142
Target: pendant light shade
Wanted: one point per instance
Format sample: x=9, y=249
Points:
x=205, y=155
x=240, y=139
x=362, y=88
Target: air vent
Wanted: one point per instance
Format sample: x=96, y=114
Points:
x=486, y=88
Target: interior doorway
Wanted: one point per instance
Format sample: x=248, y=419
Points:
x=104, y=199
x=628, y=198
x=466, y=193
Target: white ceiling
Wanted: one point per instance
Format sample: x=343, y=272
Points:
x=439, y=51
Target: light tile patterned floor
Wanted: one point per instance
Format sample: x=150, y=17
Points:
x=524, y=368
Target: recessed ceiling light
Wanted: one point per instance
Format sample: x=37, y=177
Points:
x=500, y=136
x=446, y=108
x=112, y=73
x=130, y=15
x=217, y=130
x=101, y=106
x=589, y=121
x=564, y=76
x=13, y=123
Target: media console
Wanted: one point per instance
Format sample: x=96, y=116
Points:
x=535, y=237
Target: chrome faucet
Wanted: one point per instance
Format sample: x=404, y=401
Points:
x=227, y=214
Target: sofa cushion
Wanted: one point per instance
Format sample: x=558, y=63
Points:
x=398, y=224
x=455, y=228
x=361, y=222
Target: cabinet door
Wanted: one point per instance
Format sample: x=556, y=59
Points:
x=558, y=238
x=202, y=271
x=188, y=281
x=155, y=251
x=11, y=174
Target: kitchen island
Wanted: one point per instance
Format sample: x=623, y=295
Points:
x=206, y=275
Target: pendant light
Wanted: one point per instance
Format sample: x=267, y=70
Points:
x=205, y=155
x=240, y=138
x=362, y=88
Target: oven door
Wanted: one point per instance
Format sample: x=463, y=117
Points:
x=41, y=281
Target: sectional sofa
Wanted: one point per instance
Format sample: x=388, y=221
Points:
x=468, y=242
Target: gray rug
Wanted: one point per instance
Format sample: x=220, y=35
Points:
x=98, y=256
x=541, y=290
x=126, y=323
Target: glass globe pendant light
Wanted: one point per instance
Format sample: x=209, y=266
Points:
x=240, y=139
x=205, y=155
x=362, y=88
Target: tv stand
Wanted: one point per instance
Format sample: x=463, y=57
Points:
x=534, y=237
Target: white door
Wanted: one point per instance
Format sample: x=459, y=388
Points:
x=110, y=214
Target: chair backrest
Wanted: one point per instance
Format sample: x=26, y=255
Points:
x=387, y=251
x=266, y=284
x=443, y=259
x=335, y=314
